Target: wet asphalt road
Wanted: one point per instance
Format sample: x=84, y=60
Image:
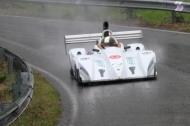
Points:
x=161, y=102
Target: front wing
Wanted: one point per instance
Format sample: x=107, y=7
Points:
x=119, y=80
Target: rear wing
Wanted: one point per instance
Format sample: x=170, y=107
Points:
x=87, y=38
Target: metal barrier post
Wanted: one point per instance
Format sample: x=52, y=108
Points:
x=86, y=9
x=17, y=64
x=2, y=5
x=10, y=63
x=129, y=13
x=43, y=6
x=2, y=53
x=4, y=105
x=173, y=17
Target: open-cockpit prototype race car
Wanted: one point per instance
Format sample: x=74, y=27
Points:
x=110, y=59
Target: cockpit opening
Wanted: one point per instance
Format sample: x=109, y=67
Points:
x=137, y=48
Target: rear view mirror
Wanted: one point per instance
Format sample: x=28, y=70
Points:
x=127, y=47
x=96, y=50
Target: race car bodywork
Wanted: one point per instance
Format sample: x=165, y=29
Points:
x=113, y=63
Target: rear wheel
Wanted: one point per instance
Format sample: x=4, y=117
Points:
x=155, y=72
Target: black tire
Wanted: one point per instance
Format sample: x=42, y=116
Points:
x=77, y=76
x=76, y=72
x=80, y=80
x=71, y=72
x=155, y=71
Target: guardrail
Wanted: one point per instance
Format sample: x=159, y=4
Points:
x=22, y=89
x=174, y=6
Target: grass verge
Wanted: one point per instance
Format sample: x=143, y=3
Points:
x=141, y=17
x=45, y=106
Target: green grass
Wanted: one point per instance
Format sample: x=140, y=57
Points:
x=94, y=13
x=45, y=106
x=181, y=0
x=153, y=16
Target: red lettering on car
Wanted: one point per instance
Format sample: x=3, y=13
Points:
x=115, y=57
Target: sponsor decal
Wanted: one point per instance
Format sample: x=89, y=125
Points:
x=100, y=63
x=130, y=60
x=132, y=69
x=179, y=6
x=82, y=69
x=101, y=72
x=85, y=58
x=146, y=52
x=117, y=66
x=115, y=57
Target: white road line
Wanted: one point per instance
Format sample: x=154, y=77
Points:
x=21, y=33
x=51, y=20
x=3, y=15
x=72, y=96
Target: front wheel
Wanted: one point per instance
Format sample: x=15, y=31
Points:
x=71, y=72
x=155, y=72
x=77, y=76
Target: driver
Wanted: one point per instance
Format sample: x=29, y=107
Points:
x=108, y=42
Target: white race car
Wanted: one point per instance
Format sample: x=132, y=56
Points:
x=110, y=60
